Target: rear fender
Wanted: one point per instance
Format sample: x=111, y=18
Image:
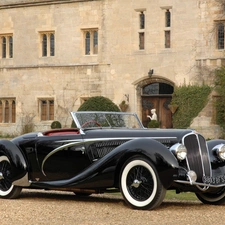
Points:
x=19, y=175
x=164, y=161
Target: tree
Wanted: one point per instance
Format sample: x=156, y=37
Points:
x=99, y=103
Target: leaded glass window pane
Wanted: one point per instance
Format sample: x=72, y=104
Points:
x=6, y=112
x=167, y=39
x=141, y=41
x=51, y=109
x=157, y=89
x=221, y=36
x=10, y=47
x=95, y=43
x=3, y=47
x=43, y=110
x=13, y=111
x=142, y=20
x=52, y=45
x=44, y=45
x=87, y=43
x=168, y=19
x=1, y=111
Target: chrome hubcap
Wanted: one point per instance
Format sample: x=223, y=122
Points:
x=136, y=183
x=1, y=176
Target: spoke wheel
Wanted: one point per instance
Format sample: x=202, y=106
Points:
x=216, y=197
x=7, y=189
x=140, y=184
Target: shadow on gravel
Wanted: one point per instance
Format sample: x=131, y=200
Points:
x=101, y=198
x=168, y=203
x=69, y=196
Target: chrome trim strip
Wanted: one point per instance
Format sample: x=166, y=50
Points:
x=116, y=138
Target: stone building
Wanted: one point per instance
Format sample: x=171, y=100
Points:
x=55, y=54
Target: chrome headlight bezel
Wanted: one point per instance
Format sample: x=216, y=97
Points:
x=179, y=150
x=220, y=151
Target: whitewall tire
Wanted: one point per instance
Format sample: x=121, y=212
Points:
x=216, y=197
x=7, y=189
x=140, y=184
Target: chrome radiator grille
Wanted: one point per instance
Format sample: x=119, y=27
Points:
x=197, y=155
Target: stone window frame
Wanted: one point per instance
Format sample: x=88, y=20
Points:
x=47, y=43
x=7, y=110
x=141, y=28
x=46, y=109
x=167, y=14
x=6, y=49
x=90, y=40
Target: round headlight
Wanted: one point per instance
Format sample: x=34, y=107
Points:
x=221, y=151
x=179, y=151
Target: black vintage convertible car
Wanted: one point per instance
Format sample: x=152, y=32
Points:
x=112, y=152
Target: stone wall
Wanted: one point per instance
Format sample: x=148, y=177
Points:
x=119, y=67
x=204, y=123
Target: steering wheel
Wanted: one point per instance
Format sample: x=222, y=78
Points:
x=91, y=121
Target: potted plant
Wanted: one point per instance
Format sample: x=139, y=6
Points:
x=123, y=106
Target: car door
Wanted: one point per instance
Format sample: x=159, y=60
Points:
x=61, y=157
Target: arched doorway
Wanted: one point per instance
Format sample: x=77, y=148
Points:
x=157, y=95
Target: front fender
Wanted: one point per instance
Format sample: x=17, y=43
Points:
x=218, y=166
x=164, y=161
x=213, y=143
x=18, y=162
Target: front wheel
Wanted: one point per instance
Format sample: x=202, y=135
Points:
x=140, y=184
x=216, y=197
x=7, y=189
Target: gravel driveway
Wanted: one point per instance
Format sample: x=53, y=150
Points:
x=50, y=207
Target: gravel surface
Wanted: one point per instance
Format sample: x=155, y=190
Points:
x=51, y=207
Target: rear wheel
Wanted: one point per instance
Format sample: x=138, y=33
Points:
x=216, y=197
x=140, y=184
x=7, y=189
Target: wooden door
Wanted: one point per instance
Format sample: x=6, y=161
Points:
x=161, y=105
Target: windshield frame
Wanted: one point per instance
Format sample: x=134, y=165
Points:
x=82, y=115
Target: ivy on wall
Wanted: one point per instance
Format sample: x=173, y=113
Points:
x=220, y=103
x=190, y=100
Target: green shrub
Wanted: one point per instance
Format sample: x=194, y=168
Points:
x=99, y=103
x=154, y=124
x=190, y=100
x=27, y=124
x=73, y=125
x=56, y=125
x=220, y=103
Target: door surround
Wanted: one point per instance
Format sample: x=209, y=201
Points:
x=139, y=84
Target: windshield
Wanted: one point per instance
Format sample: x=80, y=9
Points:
x=106, y=120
